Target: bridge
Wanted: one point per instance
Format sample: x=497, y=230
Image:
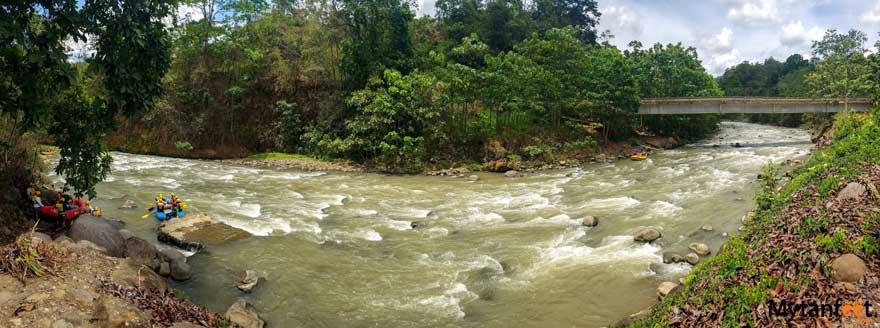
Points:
x=751, y=105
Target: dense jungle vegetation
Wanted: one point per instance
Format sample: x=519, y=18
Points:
x=368, y=81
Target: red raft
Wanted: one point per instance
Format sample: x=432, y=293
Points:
x=75, y=207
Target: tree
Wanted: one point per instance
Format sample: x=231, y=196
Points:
x=583, y=14
x=379, y=39
x=131, y=58
x=673, y=71
x=843, y=70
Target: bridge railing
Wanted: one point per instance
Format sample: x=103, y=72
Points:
x=724, y=105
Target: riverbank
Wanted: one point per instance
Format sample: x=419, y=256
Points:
x=812, y=240
x=495, y=156
x=95, y=275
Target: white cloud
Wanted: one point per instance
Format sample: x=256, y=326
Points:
x=872, y=16
x=620, y=19
x=719, y=62
x=721, y=42
x=754, y=12
x=795, y=35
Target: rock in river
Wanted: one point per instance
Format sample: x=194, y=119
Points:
x=249, y=280
x=700, y=248
x=244, y=315
x=512, y=174
x=193, y=232
x=706, y=227
x=692, y=258
x=590, y=221
x=178, y=267
x=647, y=235
x=848, y=268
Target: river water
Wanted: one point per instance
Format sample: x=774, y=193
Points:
x=340, y=251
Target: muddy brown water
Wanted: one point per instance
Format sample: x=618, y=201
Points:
x=340, y=251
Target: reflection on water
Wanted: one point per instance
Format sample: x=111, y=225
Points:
x=340, y=250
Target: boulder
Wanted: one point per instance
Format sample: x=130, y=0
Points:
x=180, y=271
x=590, y=221
x=140, y=251
x=706, y=227
x=665, y=289
x=184, y=324
x=128, y=204
x=126, y=234
x=244, y=315
x=249, y=280
x=700, y=248
x=848, y=268
x=165, y=269
x=647, y=235
x=512, y=174
x=193, y=232
x=133, y=273
x=853, y=190
x=672, y=258
x=39, y=237
x=100, y=232
x=692, y=258
x=474, y=177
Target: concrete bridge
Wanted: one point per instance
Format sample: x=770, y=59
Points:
x=751, y=105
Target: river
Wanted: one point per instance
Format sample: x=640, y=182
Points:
x=340, y=251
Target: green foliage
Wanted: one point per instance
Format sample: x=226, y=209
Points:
x=394, y=120
x=379, y=39
x=183, y=145
x=770, y=78
x=767, y=183
x=673, y=71
x=40, y=85
x=844, y=70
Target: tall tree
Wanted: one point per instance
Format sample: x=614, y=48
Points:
x=843, y=70
x=379, y=39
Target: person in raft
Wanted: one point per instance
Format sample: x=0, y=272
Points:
x=57, y=207
x=168, y=207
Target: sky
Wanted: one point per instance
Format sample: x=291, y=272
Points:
x=727, y=32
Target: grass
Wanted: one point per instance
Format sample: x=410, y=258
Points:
x=755, y=266
x=281, y=156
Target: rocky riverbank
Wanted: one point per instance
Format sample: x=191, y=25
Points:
x=812, y=240
x=96, y=275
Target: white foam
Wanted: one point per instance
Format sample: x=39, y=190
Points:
x=664, y=208
x=611, y=203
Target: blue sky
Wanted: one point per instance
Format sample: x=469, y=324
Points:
x=726, y=32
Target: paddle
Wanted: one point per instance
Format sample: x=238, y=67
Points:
x=148, y=213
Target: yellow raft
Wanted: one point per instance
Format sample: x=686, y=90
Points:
x=639, y=157
x=49, y=151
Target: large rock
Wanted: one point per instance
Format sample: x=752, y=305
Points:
x=100, y=232
x=666, y=288
x=179, y=269
x=249, y=280
x=700, y=248
x=853, y=190
x=244, y=315
x=140, y=251
x=512, y=174
x=590, y=221
x=133, y=273
x=193, y=232
x=647, y=235
x=848, y=268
